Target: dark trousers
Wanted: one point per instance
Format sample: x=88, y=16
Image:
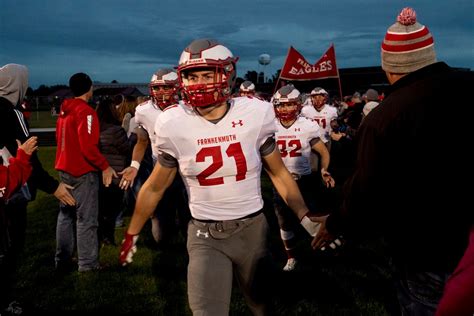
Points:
x=12, y=232
x=419, y=292
x=110, y=205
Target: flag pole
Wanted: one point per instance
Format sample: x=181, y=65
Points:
x=279, y=76
x=338, y=76
x=276, y=86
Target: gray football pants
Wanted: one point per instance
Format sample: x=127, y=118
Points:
x=219, y=250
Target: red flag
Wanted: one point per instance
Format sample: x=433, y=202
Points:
x=297, y=68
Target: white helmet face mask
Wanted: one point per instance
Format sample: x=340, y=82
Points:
x=164, y=87
x=209, y=55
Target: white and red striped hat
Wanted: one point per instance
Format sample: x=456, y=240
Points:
x=408, y=45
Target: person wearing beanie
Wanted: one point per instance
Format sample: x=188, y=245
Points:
x=408, y=45
x=371, y=101
x=13, y=127
x=78, y=161
x=402, y=185
x=80, y=83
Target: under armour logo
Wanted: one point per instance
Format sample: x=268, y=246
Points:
x=297, y=130
x=234, y=124
x=199, y=233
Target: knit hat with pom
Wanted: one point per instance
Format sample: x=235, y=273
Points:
x=408, y=45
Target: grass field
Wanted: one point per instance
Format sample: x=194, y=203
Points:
x=41, y=119
x=356, y=282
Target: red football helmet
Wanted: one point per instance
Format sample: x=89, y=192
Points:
x=287, y=96
x=164, y=86
x=206, y=54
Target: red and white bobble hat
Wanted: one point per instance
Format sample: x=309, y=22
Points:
x=408, y=45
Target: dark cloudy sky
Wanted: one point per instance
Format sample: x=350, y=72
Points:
x=127, y=40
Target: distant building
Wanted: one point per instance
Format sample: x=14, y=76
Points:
x=125, y=89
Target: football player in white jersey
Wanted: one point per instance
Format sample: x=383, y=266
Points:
x=321, y=112
x=219, y=145
x=247, y=88
x=324, y=115
x=296, y=138
x=164, y=86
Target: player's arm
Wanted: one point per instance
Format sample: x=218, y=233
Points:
x=130, y=173
x=150, y=194
x=148, y=198
x=288, y=190
x=319, y=147
x=284, y=183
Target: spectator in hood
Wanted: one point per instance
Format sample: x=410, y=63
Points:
x=13, y=86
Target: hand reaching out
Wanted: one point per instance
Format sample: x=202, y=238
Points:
x=128, y=176
x=29, y=146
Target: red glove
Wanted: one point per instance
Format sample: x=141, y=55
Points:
x=128, y=249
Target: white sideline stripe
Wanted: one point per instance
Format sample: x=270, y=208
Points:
x=42, y=130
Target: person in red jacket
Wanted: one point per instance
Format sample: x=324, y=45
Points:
x=78, y=161
x=13, y=173
x=459, y=290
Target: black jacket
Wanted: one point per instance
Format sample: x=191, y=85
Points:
x=12, y=127
x=411, y=170
x=114, y=145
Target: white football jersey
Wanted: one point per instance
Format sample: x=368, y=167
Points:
x=323, y=118
x=145, y=116
x=294, y=144
x=219, y=163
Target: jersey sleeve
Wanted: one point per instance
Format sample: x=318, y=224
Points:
x=139, y=118
x=315, y=131
x=163, y=143
x=306, y=112
x=269, y=127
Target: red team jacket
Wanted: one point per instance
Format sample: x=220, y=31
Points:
x=77, y=136
x=15, y=174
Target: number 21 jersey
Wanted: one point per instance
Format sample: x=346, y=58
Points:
x=220, y=163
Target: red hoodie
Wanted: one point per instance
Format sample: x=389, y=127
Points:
x=77, y=136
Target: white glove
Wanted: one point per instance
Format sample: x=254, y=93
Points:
x=311, y=227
